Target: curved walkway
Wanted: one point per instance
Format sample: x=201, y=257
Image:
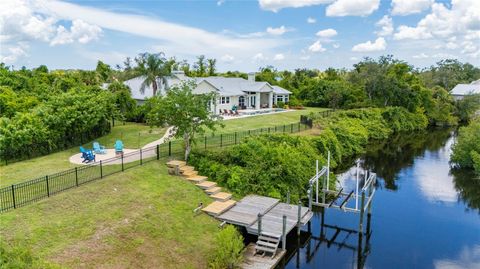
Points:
x=129, y=154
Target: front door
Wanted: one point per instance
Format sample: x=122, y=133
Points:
x=253, y=100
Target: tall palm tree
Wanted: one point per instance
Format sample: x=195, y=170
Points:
x=152, y=67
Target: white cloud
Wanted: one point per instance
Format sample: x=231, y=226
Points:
x=227, y=58
x=341, y=8
x=278, y=31
x=353, y=58
x=450, y=25
x=469, y=257
x=259, y=57
x=386, y=26
x=327, y=33
x=305, y=57
x=276, y=5
x=336, y=46
x=316, y=47
x=311, y=20
x=406, y=32
x=279, y=57
x=220, y=2
x=80, y=31
x=379, y=45
x=11, y=54
x=403, y=7
x=420, y=56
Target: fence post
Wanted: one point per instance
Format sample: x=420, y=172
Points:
x=101, y=169
x=299, y=126
x=284, y=233
x=291, y=128
x=275, y=128
x=268, y=129
x=248, y=132
x=48, y=187
x=76, y=176
x=13, y=196
x=221, y=140
x=259, y=223
x=123, y=168
x=235, y=138
x=284, y=128
x=169, y=148
x=299, y=217
x=158, y=152
x=141, y=157
x=205, y=142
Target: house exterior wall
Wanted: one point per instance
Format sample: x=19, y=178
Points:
x=219, y=105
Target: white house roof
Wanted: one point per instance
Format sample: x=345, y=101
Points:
x=280, y=90
x=466, y=89
x=225, y=86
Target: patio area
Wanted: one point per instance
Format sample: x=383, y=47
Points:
x=245, y=113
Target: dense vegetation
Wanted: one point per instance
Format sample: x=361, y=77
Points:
x=14, y=257
x=466, y=151
x=228, y=252
x=272, y=165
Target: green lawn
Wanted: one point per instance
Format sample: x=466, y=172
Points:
x=133, y=135
x=138, y=219
x=265, y=121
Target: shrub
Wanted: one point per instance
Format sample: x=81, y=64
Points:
x=229, y=249
x=466, y=151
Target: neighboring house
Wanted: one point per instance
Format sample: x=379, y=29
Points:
x=231, y=92
x=461, y=90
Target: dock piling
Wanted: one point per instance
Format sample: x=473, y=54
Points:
x=259, y=216
x=299, y=224
x=284, y=233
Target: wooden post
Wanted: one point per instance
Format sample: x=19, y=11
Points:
x=259, y=216
x=284, y=233
x=13, y=196
x=309, y=193
x=169, y=148
x=76, y=176
x=141, y=157
x=48, y=187
x=158, y=152
x=101, y=170
x=288, y=197
x=299, y=217
x=123, y=168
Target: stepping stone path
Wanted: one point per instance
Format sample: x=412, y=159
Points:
x=223, y=200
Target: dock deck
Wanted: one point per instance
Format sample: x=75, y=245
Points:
x=245, y=213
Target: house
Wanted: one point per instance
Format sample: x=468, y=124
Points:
x=232, y=93
x=461, y=90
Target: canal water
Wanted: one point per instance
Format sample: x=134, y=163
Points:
x=424, y=214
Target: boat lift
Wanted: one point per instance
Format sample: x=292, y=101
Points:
x=361, y=196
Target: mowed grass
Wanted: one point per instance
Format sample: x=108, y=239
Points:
x=142, y=218
x=133, y=135
x=265, y=121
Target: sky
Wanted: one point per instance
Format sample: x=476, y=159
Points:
x=242, y=35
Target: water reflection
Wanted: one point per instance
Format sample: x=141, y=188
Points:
x=425, y=215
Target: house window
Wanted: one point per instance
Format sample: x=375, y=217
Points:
x=241, y=101
x=225, y=100
x=280, y=98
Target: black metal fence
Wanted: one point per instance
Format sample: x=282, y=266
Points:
x=20, y=194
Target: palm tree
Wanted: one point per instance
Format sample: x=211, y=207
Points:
x=152, y=67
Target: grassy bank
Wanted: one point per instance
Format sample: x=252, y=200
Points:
x=138, y=219
x=134, y=135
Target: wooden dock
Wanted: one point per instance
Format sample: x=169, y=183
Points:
x=245, y=213
x=252, y=261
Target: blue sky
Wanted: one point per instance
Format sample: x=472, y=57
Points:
x=241, y=35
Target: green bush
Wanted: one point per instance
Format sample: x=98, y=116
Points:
x=229, y=249
x=466, y=151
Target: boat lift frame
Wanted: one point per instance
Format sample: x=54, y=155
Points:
x=362, y=194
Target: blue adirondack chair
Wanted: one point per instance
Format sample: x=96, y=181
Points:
x=99, y=149
x=87, y=155
x=118, y=147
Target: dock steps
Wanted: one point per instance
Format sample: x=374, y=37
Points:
x=221, y=196
x=197, y=179
x=216, y=208
x=213, y=190
x=267, y=244
x=175, y=163
x=186, y=168
x=206, y=185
